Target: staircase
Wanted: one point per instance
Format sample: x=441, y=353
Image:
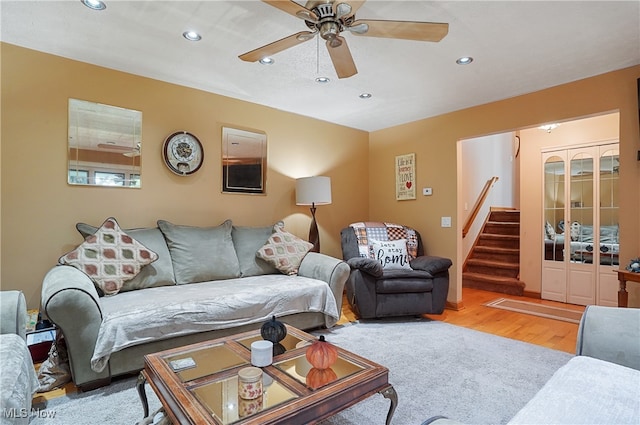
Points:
x=494, y=262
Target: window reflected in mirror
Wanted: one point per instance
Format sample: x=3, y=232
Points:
x=105, y=144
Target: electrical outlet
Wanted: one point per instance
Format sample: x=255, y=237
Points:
x=445, y=221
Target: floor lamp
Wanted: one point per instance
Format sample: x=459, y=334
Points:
x=313, y=191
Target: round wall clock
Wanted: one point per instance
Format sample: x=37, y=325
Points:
x=182, y=153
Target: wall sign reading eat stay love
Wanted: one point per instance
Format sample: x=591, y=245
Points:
x=406, y=177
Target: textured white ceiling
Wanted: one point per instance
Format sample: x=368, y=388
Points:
x=518, y=46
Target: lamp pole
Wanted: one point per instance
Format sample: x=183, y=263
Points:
x=314, y=236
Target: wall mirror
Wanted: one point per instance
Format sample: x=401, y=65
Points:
x=105, y=144
x=244, y=161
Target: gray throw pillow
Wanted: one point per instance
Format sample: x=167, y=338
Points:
x=201, y=254
x=247, y=241
x=158, y=273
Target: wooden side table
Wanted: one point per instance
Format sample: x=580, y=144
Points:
x=623, y=277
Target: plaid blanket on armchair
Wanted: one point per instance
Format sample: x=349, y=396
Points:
x=366, y=231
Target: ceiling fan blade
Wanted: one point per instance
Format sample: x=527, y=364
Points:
x=355, y=5
x=407, y=30
x=341, y=58
x=291, y=7
x=277, y=46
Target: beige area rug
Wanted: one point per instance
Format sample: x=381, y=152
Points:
x=535, y=309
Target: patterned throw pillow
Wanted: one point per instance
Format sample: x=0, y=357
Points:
x=391, y=254
x=109, y=257
x=284, y=251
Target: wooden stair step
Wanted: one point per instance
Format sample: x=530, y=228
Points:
x=499, y=237
x=492, y=263
x=501, y=284
x=500, y=250
x=501, y=228
x=505, y=216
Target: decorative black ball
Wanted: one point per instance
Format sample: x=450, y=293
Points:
x=273, y=331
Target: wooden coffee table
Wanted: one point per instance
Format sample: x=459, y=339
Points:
x=207, y=393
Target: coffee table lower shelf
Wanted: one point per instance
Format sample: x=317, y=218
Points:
x=187, y=396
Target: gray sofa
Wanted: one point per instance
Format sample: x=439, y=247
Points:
x=206, y=283
x=600, y=385
x=17, y=374
x=374, y=291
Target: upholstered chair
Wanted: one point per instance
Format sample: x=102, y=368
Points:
x=381, y=282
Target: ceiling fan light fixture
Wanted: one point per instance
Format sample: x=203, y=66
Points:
x=267, y=60
x=549, y=127
x=329, y=30
x=465, y=60
x=323, y=80
x=192, y=36
x=360, y=28
x=343, y=9
x=94, y=4
x=306, y=15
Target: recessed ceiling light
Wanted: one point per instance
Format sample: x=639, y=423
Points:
x=94, y=4
x=267, y=61
x=192, y=36
x=322, y=80
x=465, y=60
x=365, y=95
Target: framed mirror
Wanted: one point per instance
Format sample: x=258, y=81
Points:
x=244, y=161
x=105, y=145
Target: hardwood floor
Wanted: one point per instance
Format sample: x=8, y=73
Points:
x=549, y=333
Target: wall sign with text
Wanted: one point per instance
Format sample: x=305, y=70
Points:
x=406, y=177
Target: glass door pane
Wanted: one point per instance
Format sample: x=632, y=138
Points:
x=609, y=244
x=554, y=205
x=581, y=208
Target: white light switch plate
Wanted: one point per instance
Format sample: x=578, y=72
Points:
x=427, y=191
x=445, y=221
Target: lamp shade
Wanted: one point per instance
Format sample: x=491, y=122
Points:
x=314, y=190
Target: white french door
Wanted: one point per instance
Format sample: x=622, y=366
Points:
x=580, y=218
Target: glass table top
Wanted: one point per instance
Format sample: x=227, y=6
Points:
x=221, y=398
x=208, y=371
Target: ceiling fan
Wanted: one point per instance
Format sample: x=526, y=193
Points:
x=329, y=18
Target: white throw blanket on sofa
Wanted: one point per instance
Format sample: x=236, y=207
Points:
x=137, y=317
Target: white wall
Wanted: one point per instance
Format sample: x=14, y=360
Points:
x=481, y=159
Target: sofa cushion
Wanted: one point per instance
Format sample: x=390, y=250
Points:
x=403, y=286
x=247, y=241
x=158, y=273
x=109, y=257
x=585, y=391
x=284, y=251
x=391, y=254
x=18, y=379
x=200, y=254
x=138, y=317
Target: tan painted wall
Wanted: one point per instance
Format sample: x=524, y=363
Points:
x=434, y=140
x=39, y=209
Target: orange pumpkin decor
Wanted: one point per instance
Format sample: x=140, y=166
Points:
x=316, y=378
x=322, y=354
